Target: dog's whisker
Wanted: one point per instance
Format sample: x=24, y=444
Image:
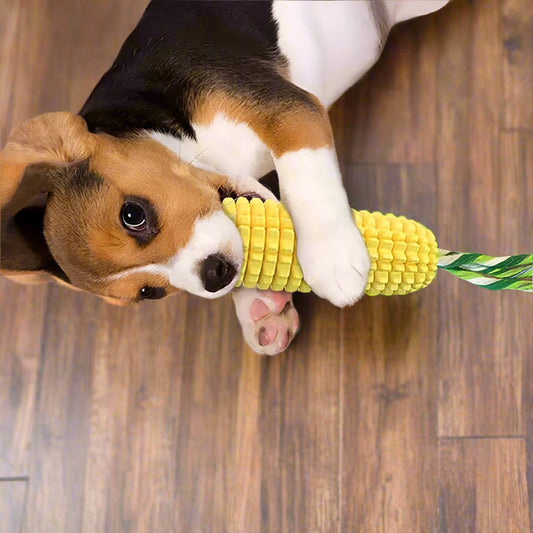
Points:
x=200, y=154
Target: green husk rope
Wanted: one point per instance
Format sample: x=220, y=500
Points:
x=513, y=272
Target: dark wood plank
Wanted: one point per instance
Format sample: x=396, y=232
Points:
x=41, y=59
x=217, y=448
x=21, y=319
x=270, y=430
x=106, y=423
x=480, y=359
x=526, y=149
x=21, y=308
x=60, y=437
x=12, y=503
x=517, y=38
x=388, y=439
x=310, y=421
x=134, y=406
x=246, y=444
x=9, y=30
x=482, y=485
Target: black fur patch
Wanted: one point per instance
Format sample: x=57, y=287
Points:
x=81, y=178
x=178, y=50
x=24, y=247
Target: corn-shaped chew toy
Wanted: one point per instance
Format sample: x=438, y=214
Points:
x=404, y=253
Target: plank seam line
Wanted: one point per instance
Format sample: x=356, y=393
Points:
x=480, y=437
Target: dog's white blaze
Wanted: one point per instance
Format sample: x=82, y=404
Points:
x=223, y=146
x=212, y=234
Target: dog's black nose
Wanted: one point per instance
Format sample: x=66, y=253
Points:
x=216, y=273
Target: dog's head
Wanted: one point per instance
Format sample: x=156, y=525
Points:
x=120, y=218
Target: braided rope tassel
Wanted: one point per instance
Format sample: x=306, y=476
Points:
x=494, y=273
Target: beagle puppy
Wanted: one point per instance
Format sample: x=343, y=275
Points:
x=123, y=200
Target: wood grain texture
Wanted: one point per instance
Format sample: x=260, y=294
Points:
x=135, y=401
x=21, y=308
x=309, y=458
x=60, y=436
x=21, y=318
x=527, y=405
x=388, y=379
x=12, y=505
x=482, y=486
x=517, y=38
x=9, y=46
x=478, y=395
x=159, y=418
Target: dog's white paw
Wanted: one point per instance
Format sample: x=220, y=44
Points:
x=336, y=264
x=268, y=319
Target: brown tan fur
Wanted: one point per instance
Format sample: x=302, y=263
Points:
x=82, y=228
x=141, y=167
x=124, y=290
x=283, y=126
x=41, y=140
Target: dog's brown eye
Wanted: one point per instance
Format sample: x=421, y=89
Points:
x=133, y=216
x=152, y=293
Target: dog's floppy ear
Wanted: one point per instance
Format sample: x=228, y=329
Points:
x=37, y=156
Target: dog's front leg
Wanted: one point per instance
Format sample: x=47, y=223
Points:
x=331, y=251
x=295, y=127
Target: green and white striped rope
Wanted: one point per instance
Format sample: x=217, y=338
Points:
x=495, y=273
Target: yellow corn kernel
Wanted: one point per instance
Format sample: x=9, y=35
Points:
x=403, y=252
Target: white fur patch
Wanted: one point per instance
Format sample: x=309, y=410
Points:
x=222, y=146
x=311, y=185
x=212, y=234
x=329, y=44
x=408, y=9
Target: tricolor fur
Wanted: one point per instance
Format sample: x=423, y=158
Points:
x=203, y=99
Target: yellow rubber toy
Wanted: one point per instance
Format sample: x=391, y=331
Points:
x=404, y=253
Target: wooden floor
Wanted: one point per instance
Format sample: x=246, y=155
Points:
x=401, y=415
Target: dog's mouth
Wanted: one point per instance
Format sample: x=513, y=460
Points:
x=226, y=192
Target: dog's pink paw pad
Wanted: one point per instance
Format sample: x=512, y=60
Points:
x=265, y=336
x=273, y=303
x=258, y=310
x=278, y=300
x=276, y=321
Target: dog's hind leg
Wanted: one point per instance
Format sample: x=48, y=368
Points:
x=408, y=9
x=268, y=319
